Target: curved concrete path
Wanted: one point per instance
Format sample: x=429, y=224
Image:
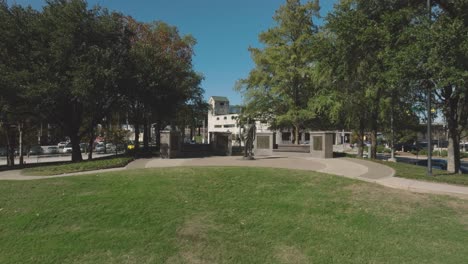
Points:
x=351, y=168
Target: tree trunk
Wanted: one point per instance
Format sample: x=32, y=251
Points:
x=90, y=146
x=158, y=134
x=373, y=150
x=361, y=139
x=137, y=136
x=10, y=150
x=76, y=151
x=20, y=145
x=296, y=134
x=145, y=135
x=453, y=150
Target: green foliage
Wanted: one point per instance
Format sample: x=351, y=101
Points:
x=410, y=171
x=280, y=86
x=441, y=153
x=98, y=164
x=72, y=66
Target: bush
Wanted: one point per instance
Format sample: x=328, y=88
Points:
x=383, y=149
x=441, y=153
x=380, y=149
x=422, y=152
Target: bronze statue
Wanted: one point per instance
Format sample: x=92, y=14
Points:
x=249, y=136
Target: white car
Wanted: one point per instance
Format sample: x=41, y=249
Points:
x=68, y=148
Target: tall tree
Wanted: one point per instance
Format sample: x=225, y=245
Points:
x=279, y=87
x=360, y=39
x=162, y=77
x=19, y=38
x=436, y=59
x=82, y=68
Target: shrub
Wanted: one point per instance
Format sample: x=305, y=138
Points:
x=422, y=152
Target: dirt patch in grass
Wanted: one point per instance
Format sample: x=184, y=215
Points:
x=399, y=202
x=193, y=240
x=461, y=209
x=291, y=255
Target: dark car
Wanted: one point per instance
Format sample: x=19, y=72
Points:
x=436, y=163
x=407, y=147
x=36, y=150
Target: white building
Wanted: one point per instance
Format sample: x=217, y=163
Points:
x=224, y=118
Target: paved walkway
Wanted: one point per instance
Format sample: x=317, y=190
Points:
x=351, y=168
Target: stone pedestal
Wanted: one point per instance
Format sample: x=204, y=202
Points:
x=221, y=143
x=170, y=144
x=263, y=144
x=321, y=144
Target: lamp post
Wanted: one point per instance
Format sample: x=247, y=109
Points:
x=429, y=114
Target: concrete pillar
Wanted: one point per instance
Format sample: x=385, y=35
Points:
x=221, y=143
x=279, y=137
x=321, y=144
x=263, y=144
x=170, y=144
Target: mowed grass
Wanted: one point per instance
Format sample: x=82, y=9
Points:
x=57, y=169
x=226, y=215
x=410, y=171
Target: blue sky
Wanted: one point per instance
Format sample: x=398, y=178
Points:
x=224, y=30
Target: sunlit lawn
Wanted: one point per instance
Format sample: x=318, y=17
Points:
x=226, y=215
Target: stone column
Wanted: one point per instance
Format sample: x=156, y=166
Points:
x=321, y=144
x=279, y=137
x=263, y=144
x=170, y=144
x=221, y=143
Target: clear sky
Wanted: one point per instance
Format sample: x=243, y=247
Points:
x=224, y=30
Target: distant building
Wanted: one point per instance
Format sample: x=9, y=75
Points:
x=225, y=118
x=222, y=117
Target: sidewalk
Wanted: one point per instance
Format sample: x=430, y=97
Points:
x=351, y=168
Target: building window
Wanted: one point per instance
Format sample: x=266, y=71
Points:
x=286, y=136
x=217, y=118
x=233, y=117
x=226, y=126
x=225, y=118
x=221, y=104
x=218, y=126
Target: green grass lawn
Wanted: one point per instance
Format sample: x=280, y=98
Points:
x=226, y=215
x=409, y=171
x=57, y=169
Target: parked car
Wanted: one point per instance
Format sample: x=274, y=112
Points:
x=436, y=163
x=100, y=147
x=84, y=147
x=110, y=148
x=130, y=145
x=3, y=151
x=68, y=148
x=36, y=150
x=52, y=150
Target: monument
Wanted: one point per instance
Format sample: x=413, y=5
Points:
x=249, y=136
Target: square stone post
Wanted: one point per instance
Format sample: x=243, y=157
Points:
x=321, y=144
x=221, y=143
x=263, y=144
x=170, y=144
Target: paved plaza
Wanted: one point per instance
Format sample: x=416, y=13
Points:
x=351, y=168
